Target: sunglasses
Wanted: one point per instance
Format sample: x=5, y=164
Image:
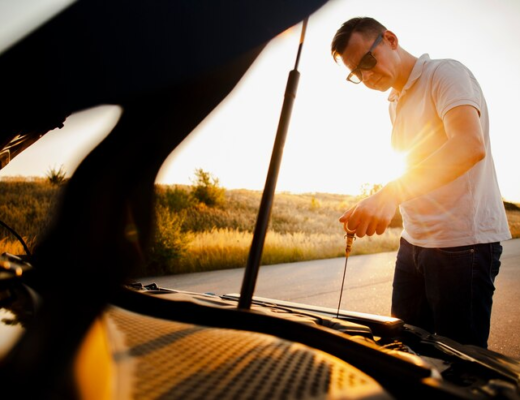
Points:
x=368, y=61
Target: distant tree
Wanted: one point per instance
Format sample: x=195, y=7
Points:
x=511, y=206
x=56, y=176
x=206, y=189
x=368, y=189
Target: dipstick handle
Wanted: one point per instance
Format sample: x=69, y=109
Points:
x=350, y=236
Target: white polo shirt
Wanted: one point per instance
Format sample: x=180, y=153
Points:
x=468, y=210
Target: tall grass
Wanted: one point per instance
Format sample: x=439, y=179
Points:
x=27, y=206
x=513, y=218
x=14, y=247
x=229, y=248
x=192, y=236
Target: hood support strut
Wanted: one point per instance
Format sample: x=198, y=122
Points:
x=264, y=213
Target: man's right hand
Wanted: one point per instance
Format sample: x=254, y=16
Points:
x=371, y=215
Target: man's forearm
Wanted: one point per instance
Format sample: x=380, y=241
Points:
x=457, y=156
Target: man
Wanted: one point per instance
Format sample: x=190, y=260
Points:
x=453, y=214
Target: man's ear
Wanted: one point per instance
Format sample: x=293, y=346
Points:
x=391, y=39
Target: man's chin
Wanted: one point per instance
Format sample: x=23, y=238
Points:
x=381, y=85
x=378, y=85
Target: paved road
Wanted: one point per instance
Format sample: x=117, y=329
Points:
x=368, y=287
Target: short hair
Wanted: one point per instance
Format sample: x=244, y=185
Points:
x=367, y=26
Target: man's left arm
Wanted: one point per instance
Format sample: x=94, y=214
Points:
x=462, y=150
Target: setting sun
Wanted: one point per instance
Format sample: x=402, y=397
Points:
x=395, y=166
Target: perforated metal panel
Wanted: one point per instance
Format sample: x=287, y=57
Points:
x=162, y=359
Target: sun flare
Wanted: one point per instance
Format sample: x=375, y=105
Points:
x=395, y=166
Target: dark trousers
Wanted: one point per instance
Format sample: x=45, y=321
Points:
x=447, y=291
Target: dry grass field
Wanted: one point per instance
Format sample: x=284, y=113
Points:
x=194, y=236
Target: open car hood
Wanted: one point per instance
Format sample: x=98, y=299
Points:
x=166, y=343
x=94, y=52
x=169, y=64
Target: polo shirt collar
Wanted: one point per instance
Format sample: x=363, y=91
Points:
x=416, y=73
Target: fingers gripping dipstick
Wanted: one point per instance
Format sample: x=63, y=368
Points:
x=350, y=236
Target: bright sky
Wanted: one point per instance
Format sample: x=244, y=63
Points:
x=339, y=137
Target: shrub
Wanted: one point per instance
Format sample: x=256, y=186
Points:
x=175, y=199
x=168, y=245
x=56, y=176
x=315, y=204
x=206, y=189
x=511, y=206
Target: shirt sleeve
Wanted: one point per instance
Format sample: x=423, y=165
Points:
x=454, y=85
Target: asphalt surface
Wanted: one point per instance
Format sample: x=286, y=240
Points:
x=368, y=288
